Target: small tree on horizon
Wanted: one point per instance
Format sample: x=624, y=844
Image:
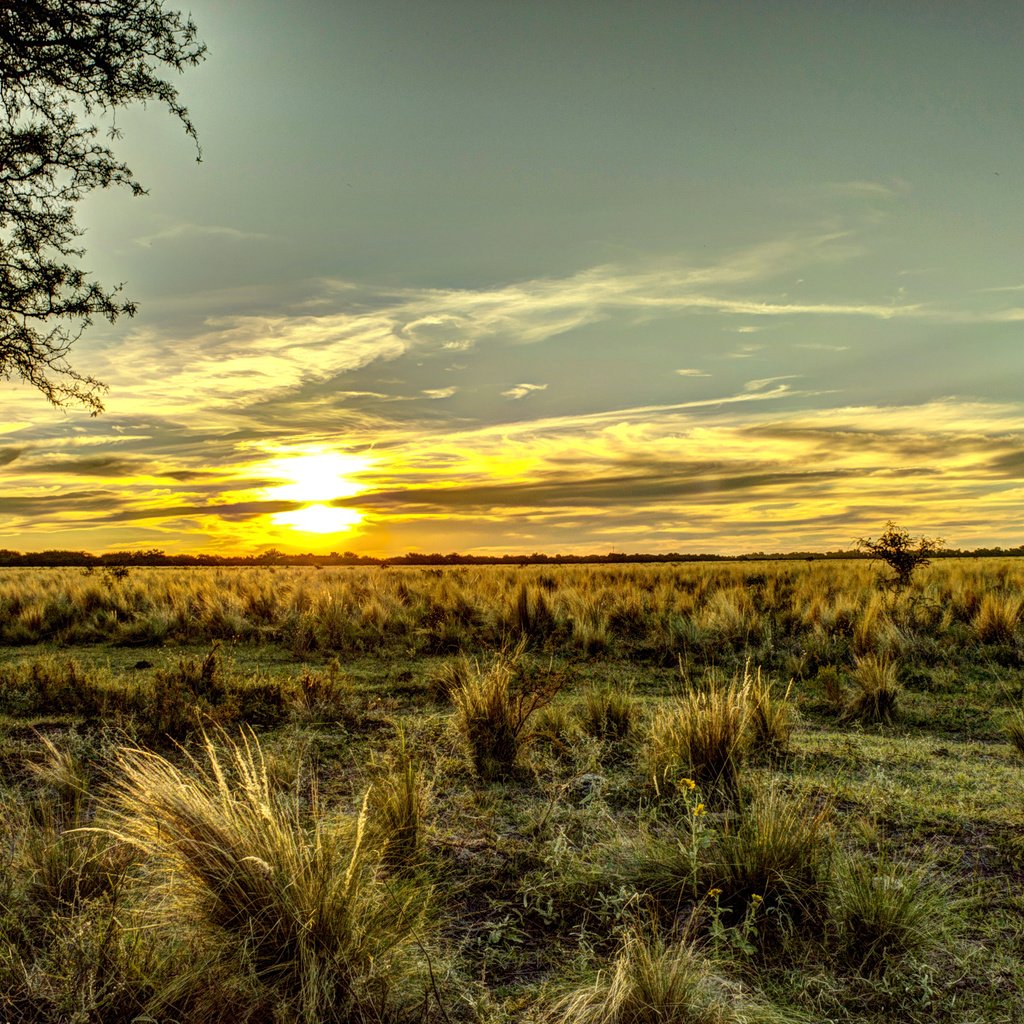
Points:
x=901, y=552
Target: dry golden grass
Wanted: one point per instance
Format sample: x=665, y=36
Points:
x=702, y=736
x=283, y=897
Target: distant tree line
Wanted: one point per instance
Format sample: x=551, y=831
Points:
x=272, y=556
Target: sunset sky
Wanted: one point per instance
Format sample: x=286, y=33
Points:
x=516, y=276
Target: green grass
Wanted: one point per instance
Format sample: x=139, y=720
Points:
x=881, y=835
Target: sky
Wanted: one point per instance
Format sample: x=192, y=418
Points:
x=554, y=276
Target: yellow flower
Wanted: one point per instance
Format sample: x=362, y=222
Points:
x=698, y=810
x=688, y=784
x=714, y=893
x=755, y=899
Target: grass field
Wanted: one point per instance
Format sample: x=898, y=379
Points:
x=696, y=793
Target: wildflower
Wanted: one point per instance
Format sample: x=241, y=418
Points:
x=755, y=899
x=698, y=810
x=714, y=893
x=688, y=784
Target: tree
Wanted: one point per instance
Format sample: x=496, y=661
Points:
x=901, y=552
x=61, y=63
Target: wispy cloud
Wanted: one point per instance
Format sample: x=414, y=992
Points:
x=188, y=230
x=522, y=390
x=767, y=382
x=867, y=189
x=690, y=372
x=745, y=351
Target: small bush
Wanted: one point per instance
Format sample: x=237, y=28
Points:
x=877, y=690
x=901, y=552
x=882, y=910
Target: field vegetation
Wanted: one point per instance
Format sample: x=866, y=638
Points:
x=679, y=793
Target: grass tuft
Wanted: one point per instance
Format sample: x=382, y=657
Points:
x=397, y=804
x=883, y=910
x=703, y=737
x=997, y=618
x=608, y=712
x=877, y=691
x=282, y=897
x=492, y=710
x=771, y=716
x=776, y=855
x=653, y=981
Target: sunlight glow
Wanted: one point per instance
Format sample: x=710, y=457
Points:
x=316, y=476
x=319, y=519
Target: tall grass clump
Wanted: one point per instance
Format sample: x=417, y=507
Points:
x=492, y=711
x=608, y=712
x=771, y=716
x=997, y=618
x=450, y=675
x=702, y=737
x=1013, y=729
x=776, y=855
x=883, y=910
x=397, y=804
x=272, y=893
x=877, y=690
x=653, y=981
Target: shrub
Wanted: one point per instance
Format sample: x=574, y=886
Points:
x=877, y=690
x=901, y=552
x=281, y=896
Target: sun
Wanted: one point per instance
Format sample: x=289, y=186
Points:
x=320, y=519
x=316, y=477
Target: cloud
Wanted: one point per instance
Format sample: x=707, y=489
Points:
x=522, y=390
x=436, y=393
x=188, y=230
x=765, y=382
x=690, y=372
x=866, y=189
x=745, y=351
